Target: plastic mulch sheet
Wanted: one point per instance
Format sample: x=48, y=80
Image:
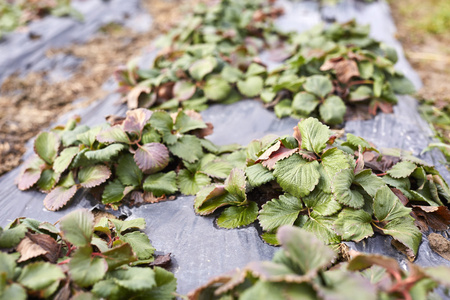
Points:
x=199, y=249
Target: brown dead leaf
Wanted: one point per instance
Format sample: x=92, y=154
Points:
x=345, y=68
x=161, y=261
x=386, y=162
x=408, y=252
x=35, y=245
x=436, y=217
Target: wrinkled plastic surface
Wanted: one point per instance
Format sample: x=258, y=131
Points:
x=201, y=250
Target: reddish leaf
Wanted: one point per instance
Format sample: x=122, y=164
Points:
x=309, y=155
x=93, y=175
x=400, y=196
x=282, y=153
x=59, y=197
x=359, y=162
x=28, y=178
x=298, y=136
x=136, y=120
x=161, y=260
x=268, y=153
x=436, y=217
x=152, y=157
x=184, y=90
x=386, y=162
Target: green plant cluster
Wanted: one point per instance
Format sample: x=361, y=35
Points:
x=340, y=191
x=335, y=68
x=145, y=156
x=20, y=12
x=327, y=70
x=307, y=269
x=83, y=259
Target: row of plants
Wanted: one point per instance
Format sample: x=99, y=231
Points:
x=339, y=190
x=91, y=257
x=17, y=13
x=307, y=269
x=85, y=258
x=145, y=156
x=212, y=58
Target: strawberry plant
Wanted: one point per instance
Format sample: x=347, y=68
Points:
x=339, y=190
x=213, y=58
x=307, y=269
x=334, y=68
x=143, y=158
x=82, y=259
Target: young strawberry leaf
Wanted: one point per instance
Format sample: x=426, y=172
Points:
x=128, y=172
x=314, y=135
x=235, y=184
x=102, y=155
x=211, y=198
x=48, y=180
x=161, y=184
x=114, y=134
x=278, y=212
x=184, y=123
x=251, y=86
x=63, y=161
x=202, y=67
x=46, y=146
x=353, y=225
x=318, y=85
x=190, y=183
x=369, y=182
x=115, y=191
x=305, y=103
x=187, y=148
x=402, y=169
x=342, y=192
x=258, y=175
x=93, y=175
x=152, y=158
x=387, y=206
x=140, y=244
x=322, y=228
x=238, y=216
x=332, y=111
x=322, y=203
x=77, y=227
x=217, y=88
x=296, y=175
x=86, y=270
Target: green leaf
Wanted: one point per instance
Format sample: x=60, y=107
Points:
x=48, y=180
x=255, y=69
x=185, y=123
x=322, y=228
x=216, y=168
x=77, y=227
x=118, y=256
x=296, y=175
x=231, y=74
x=128, y=172
x=114, y=192
x=59, y=197
x=251, y=86
x=163, y=123
x=166, y=285
x=402, y=169
x=7, y=265
x=113, y=134
x=440, y=274
x=363, y=92
x=283, y=108
x=258, y=175
x=403, y=230
x=387, y=206
x=353, y=224
x=11, y=237
x=312, y=256
x=121, y=226
x=340, y=186
x=402, y=85
x=318, y=85
x=88, y=138
x=216, y=88
x=135, y=279
x=187, y=148
x=238, y=216
x=108, y=289
x=46, y=146
x=14, y=291
x=140, y=243
x=202, y=67
x=184, y=90
x=190, y=183
x=63, y=161
x=322, y=203
x=354, y=142
x=84, y=269
x=152, y=158
x=305, y=103
x=341, y=285
x=314, y=134
x=40, y=275
x=69, y=138
x=332, y=111
x=105, y=154
x=369, y=182
x=212, y=197
x=278, y=212
x=92, y=176
x=161, y=184
x=235, y=184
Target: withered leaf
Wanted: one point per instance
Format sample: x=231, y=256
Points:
x=440, y=245
x=436, y=217
x=345, y=68
x=132, y=97
x=161, y=260
x=278, y=155
x=34, y=245
x=386, y=162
